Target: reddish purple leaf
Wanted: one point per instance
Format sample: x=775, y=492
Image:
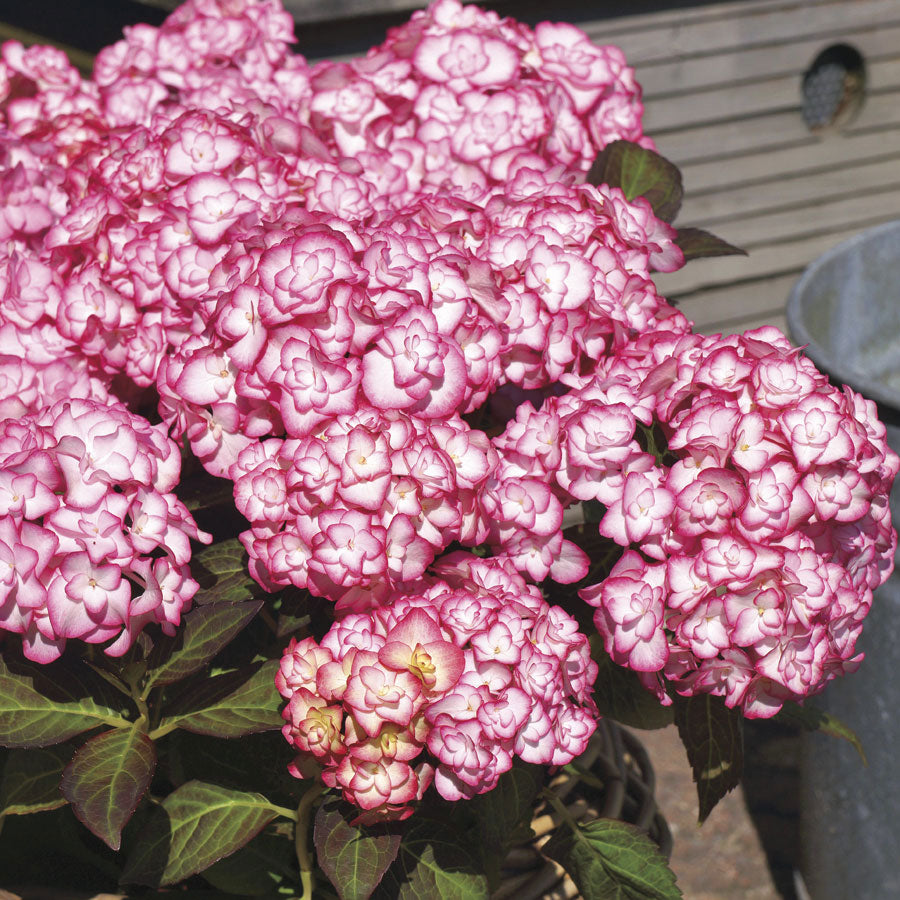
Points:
x=107, y=778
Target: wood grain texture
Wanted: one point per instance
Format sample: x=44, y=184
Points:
x=741, y=25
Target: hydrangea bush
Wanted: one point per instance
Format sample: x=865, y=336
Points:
x=383, y=334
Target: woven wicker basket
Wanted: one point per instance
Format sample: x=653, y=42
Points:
x=618, y=760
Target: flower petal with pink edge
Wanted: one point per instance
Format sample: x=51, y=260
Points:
x=437, y=663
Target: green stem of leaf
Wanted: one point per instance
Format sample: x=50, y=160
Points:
x=587, y=777
x=560, y=808
x=116, y=721
x=301, y=838
x=141, y=702
x=117, y=683
x=266, y=616
x=144, y=712
x=284, y=812
x=162, y=731
x=136, y=693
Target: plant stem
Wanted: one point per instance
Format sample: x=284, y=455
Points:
x=301, y=833
x=133, y=680
x=117, y=683
x=266, y=616
x=560, y=808
x=162, y=731
x=587, y=777
x=284, y=811
x=116, y=721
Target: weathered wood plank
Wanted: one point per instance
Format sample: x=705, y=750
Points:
x=813, y=218
x=738, y=307
x=776, y=259
x=732, y=67
x=712, y=105
x=764, y=133
x=693, y=15
x=749, y=25
x=739, y=326
x=161, y=4
x=793, y=192
x=737, y=301
x=704, y=177
x=720, y=142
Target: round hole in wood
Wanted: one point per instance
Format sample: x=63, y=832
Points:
x=833, y=88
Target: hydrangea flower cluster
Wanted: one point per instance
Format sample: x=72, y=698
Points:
x=212, y=216
x=427, y=310
x=39, y=363
x=363, y=505
x=93, y=543
x=221, y=197
x=458, y=95
x=337, y=281
x=446, y=683
x=751, y=497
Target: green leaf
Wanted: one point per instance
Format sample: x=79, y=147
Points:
x=611, y=860
x=221, y=569
x=813, y=719
x=433, y=862
x=30, y=718
x=619, y=695
x=30, y=780
x=267, y=862
x=502, y=810
x=504, y=814
x=229, y=705
x=106, y=779
x=712, y=735
x=205, y=631
x=196, y=825
x=695, y=243
x=295, y=610
x=640, y=173
x=353, y=857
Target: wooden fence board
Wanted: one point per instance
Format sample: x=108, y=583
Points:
x=710, y=309
x=747, y=26
x=733, y=67
x=763, y=133
x=317, y=11
x=792, y=192
x=739, y=326
x=704, y=177
x=776, y=259
x=690, y=16
x=717, y=143
x=814, y=218
x=714, y=105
